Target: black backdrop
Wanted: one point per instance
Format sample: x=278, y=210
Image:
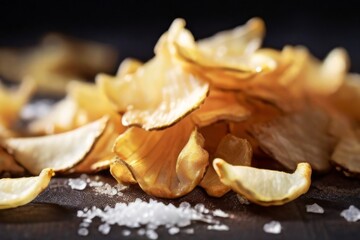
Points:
x=134, y=26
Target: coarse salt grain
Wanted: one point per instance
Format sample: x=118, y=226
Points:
x=126, y=232
x=152, y=215
x=273, y=227
x=83, y=231
x=314, y=208
x=352, y=214
x=77, y=183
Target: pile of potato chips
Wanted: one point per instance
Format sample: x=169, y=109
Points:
x=221, y=113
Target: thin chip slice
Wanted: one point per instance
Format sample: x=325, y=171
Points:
x=120, y=171
x=15, y=192
x=347, y=153
x=168, y=93
x=8, y=165
x=168, y=163
x=218, y=106
x=299, y=137
x=235, y=151
x=265, y=187
x=59, y=152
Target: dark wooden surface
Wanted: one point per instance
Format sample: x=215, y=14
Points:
x=52, y=215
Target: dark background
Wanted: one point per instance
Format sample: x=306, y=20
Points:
x=134, y=26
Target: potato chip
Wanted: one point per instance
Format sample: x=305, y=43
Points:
x=15, y=192
x=167, y=163
x=265, y=187
x=12, y=101
x=128, y=66
x=347, y=153
x=8, y=165
x=213, y=134
x=218, y=106
x=295, y=138
x=59, y=152
x=55, y=61
x=235, y=151
x=120, y=171
x=168, y=93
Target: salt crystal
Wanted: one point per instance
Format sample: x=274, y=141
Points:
x=77, y=184
x=126, y=232
x=242, y=200
x=273, y=227
x=104, y=228
x=83, y=231
x=184, y=205
x=199, y=207
x=352, y=214
x=220, y=213
x=189, y=231
x=221, y=227
x=314, y=208
x=141, y=232
x=173, y=230
x=151, y=234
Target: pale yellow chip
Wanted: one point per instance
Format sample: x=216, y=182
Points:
x=59, y=152
x=157, y=95
x=8, y=165
x=167, y=163
x=120, y=171
x=218, y=106
x=264, y=187
x=128, y=66
x=233, y=150
x=15, y=192
x=295, y=138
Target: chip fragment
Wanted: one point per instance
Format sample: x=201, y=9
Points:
x=15, y=192
x=8, y=165
x=265, y=187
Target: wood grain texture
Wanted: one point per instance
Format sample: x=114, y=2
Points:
x=52, y=215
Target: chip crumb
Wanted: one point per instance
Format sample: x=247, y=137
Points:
x=352, y=214
x=314, y=208
x=273, y=227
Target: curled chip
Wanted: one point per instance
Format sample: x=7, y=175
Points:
x=15, y=192
x=167, y=163
x=264, y=187
x=218, y=106
x=8, y=165
x=346, y=155
x=298, y=137
x=56, y=61
x=59, y=152
x=235, y=151
x=168, y=93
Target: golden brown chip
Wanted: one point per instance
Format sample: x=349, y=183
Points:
x=347, y=153
x=295, y=138
x=15, y=192
x=167, y=93
x=8, y=165
x=120, y=171
x=168, y=163
x=59, y=152
x=218, y=106
x=265, y=187
x=233, y=150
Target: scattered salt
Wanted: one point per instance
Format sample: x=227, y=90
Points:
x=314, y=208
x=152, y=215
x=220, y=213
x=242, y=200
x=220, y=227
x=77, y=183
x=83, y=231
x=126, y=232
x=273, y=227
x=173, y=230
x=352, y=214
